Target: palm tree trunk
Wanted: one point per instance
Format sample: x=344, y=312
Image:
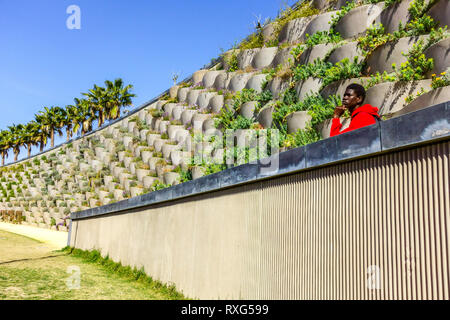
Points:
x=3, y=158
x=29, y=150
x=42, y=146
x=16, y=156
x=68, y=131
x=52, y=137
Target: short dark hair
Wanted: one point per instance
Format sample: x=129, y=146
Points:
x=359, y=90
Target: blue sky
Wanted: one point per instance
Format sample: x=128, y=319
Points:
x=43, y=63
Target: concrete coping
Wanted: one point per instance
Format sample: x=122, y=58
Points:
x=425, y=126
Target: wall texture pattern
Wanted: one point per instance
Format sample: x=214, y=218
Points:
x=374, y=228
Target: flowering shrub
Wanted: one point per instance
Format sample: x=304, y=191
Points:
x=440, y=81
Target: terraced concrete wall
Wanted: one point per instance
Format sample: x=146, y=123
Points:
x=372, y=228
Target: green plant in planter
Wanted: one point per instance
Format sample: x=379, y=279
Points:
x=416, y=66
x=341, y=13
x=322, y=37
x=343, y=69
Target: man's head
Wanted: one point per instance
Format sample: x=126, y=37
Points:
x=354, y=96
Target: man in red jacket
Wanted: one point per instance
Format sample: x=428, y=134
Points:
x=362, y=115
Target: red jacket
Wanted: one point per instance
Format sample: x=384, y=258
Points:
x=361, y=117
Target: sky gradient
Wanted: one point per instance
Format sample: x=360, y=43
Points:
x=43, y=63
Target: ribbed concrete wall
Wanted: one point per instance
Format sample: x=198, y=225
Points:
x=338, y=232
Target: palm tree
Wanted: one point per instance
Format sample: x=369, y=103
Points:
x=53, y=121
x=70, y=113
x=42, y=134
x=97, y=98
x=17, y=138
x=31, y=135
x=4, y=144
x=82, y=116
x=118, y=97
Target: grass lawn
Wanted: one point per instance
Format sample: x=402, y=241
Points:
x=31, y=270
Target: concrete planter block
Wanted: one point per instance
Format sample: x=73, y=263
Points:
x=307, y=87
x=283, y=57
x=276, y=86
x=181, y=135
x=256, y=82
x=148, y=181
x=176, y=112
x=320, y=4
x=319, y=23
x=127, y=162
x=264, y=58
x=198, y=119
x=247, y=110
x=441, y=12
x=349, y=50
x=141, y=114
x=135, y=191
x=152, y=162
x=146, y=155
x=126, y=140
x=143, y=134
x=155, y=123
x=357, y=20
x=325, y=127
x=342, y=3
x=293, y=30
x=265, y=115
x=210, y=78
x=182, y=94
x=338, y=87
x=141, y=173
x=197, y=172
x=172, y=130
x=317, y=52
x=169, y=107
x=167, y=149
x=216, y=103
x=186, y=116
x=173, y=91
x=171, y=178
x=389, y=97
x=223, y=80
x=203, y=148
x=118, y=195
x=268, y=32
x=208, y=125
x=245, y=57
x=160, y=104
x=178, y=157
x=430, y=98
x=125, y=123
x=136, y=132
x=118, y=171
x=239, y=81
x=297, y=121
x=204, y=98
x=197, y=77
x=163, y=125
x=441, y=55
x=192, y=97
x=158, y=144
x=393, y=15
x=148, y=119
x=161, y=169
x=151, y=139
x=131, y=126
x=384, y=56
